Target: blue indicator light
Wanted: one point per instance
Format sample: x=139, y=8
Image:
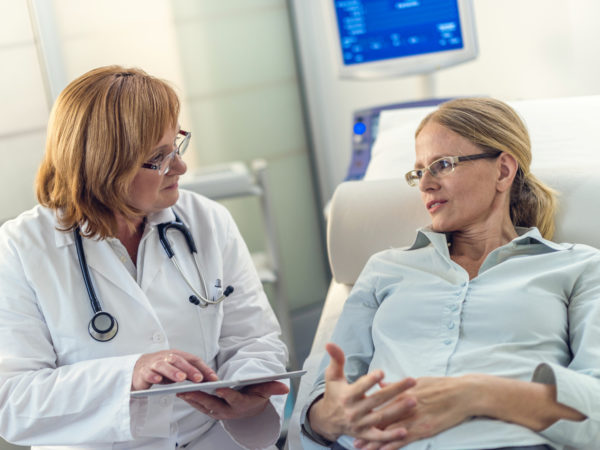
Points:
x=359, y=128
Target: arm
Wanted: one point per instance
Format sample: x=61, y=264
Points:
x=533, y=405
x=443, y=402
x=343, y=379
x=41, y=403
x=578, y=384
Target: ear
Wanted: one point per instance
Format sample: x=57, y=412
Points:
x=507, y=170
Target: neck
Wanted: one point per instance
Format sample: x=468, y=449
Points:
x=471, y=246
x=130, y=238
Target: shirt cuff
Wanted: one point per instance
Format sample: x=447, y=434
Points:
x=578, y=391
x=259, y=431
x=305, y=427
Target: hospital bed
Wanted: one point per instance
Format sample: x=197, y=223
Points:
x=382, y=211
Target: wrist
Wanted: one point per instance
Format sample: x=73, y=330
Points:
x=476, y=386
x=319, y=422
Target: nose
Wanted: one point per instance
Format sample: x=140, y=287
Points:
x=428, y=182
x=178, y=165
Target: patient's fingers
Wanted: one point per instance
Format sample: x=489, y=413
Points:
x=386, y=394
x=392, y=412
x=360, y=387
x=335, y=370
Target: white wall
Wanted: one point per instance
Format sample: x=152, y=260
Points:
x=528, y=49
x=24, y=109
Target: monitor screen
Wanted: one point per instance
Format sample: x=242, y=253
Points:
x=378, y=38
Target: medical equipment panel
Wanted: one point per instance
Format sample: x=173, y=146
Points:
x=365, y=125
x=385, y=38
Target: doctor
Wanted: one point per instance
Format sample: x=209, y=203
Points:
x=107, y=182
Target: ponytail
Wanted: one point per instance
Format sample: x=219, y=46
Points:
x=532, y=203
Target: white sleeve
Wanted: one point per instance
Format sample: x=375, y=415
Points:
x=249, y=343
x=40, y=403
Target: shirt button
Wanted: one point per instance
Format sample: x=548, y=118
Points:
x=158, y=337
x=450, y=325
x=447, y=342
x=164, y=401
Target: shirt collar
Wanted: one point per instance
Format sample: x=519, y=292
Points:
x=164, y=215
x=526, y=236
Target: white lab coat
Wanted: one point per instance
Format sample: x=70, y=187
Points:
x=59, y=387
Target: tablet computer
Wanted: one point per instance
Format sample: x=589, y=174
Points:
x=210, y=386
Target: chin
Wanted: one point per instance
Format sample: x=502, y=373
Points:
x=441, y=227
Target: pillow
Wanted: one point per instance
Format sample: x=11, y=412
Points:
x=561, y=130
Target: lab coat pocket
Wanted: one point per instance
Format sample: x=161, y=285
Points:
x=211, y=319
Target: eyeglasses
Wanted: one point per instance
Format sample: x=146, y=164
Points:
x=444, y=166
x=162, y=162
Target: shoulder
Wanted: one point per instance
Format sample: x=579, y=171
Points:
x=203, y=215
x=31, y=228
x=585, y=255
x=392, y=258
x=199, y=207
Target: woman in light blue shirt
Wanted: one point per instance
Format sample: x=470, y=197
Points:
x=487, y=332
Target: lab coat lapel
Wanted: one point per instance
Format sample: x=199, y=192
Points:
x=104, y=262
x=153, y=257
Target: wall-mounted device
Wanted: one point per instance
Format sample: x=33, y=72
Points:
x=391, y=38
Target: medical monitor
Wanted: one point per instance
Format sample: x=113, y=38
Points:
x=391, y=38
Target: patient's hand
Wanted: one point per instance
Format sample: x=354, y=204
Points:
x=347, y=409
x=442, y=403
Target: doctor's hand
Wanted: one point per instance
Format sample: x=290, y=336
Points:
x=347, y=409
x=231, y=404
x=169, y=366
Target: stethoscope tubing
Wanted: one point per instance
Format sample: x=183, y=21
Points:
x=96, y=330
x=87, y=279
x=103, y=326
x=198, y=299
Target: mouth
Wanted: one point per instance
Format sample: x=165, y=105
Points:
x=173, y=185
x=434, y=205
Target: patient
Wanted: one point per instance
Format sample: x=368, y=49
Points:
x=484, y=334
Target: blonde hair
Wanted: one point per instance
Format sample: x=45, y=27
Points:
x=102, y=127
x=493, y=125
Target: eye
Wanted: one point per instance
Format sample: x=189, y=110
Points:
x=440, y=166
x=157, y=159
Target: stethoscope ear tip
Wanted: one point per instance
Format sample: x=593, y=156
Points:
x=194, y=300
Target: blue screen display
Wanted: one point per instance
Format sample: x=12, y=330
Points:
x=375, y=30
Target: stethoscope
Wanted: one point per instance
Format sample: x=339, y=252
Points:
x=103, y=326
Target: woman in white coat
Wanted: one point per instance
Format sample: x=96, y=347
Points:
x=109, y=177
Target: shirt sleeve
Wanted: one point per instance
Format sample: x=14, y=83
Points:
x=353, y=334
x=578, y=384
x=249, y=343
x=41, y=403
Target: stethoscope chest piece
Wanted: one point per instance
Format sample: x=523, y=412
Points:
x=103, y=326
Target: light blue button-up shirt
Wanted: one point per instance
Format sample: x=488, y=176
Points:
x=532, y=313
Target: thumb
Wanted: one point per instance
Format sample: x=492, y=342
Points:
x=335, y=370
